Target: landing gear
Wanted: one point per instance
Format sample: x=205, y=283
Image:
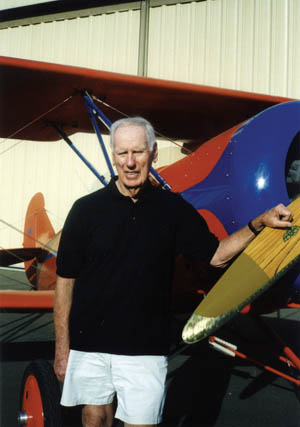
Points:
x=40, y=396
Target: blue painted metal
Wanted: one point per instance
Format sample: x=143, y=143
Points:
x=88, y=164
x=92, y=112
x=100, y=113
x=50, y=255
x=160, y=179
x=250, y=176
x=81, y=156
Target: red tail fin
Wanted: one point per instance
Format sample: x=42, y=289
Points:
x=38, y=231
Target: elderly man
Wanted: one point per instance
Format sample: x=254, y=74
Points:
x=115, y=265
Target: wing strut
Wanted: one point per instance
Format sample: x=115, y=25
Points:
x=85, y=161
x=93, y=114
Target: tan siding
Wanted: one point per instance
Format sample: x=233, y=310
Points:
x=245, y=46
x=293, y=61
x=229, y=44
x=49, y=167
x=7, y=4
x=108, y=42
x=279, y=47
x=240, y=44
x=262, y=47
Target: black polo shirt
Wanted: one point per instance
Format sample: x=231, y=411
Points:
x=122, y=255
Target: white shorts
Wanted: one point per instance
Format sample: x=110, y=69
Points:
x=138, y=381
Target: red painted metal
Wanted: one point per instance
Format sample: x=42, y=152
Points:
x=262, y=365
x=293, y=305
x=214, y=224
x=180, y=110
x=38, y=233
x=285, y=348
x=291, y=358
x=26, y=300
x=32, y=403
x=197, y=166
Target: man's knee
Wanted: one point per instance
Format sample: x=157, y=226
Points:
x=97, y=416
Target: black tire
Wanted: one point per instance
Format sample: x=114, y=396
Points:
x=40, y=373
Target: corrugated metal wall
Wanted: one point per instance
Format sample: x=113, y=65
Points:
x=242, y=44
x=251, y=45
x=107, y=42
x=7, y=4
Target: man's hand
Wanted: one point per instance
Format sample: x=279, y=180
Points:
x=278, y=217
x=60, y=363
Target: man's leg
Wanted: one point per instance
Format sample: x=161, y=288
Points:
x=139, y=382
x=97, y=415
x=88, y=384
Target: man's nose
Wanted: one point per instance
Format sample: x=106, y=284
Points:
x=130, y=160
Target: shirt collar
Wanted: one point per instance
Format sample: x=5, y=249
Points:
x=146, y=190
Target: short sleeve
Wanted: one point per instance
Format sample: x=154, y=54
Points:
x=70, y=256
x=193, y=237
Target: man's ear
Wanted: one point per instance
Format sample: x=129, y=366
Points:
x=155, y=152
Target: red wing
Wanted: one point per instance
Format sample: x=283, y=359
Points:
x=179, y=110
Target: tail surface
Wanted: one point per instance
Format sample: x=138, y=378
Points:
x=38, y=233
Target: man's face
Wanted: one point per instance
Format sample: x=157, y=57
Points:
x=131, y=156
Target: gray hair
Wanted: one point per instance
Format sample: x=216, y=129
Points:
x=137, y=121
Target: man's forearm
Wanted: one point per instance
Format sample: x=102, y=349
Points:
x=231, y=246
x=62, y=307
x=279, y=216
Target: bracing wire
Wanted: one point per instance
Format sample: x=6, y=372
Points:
x=31, y=123
x=186, y=150
x=44, y=246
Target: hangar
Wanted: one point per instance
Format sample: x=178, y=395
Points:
x=249, y=45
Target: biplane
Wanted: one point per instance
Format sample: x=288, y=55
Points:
x=243, y=158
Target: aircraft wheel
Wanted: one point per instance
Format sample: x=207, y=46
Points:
x=40, y=396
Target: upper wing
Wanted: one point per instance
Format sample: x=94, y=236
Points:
x=32, y=90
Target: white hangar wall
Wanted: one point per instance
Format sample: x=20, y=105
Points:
x=7, y=4
x=249, y=45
